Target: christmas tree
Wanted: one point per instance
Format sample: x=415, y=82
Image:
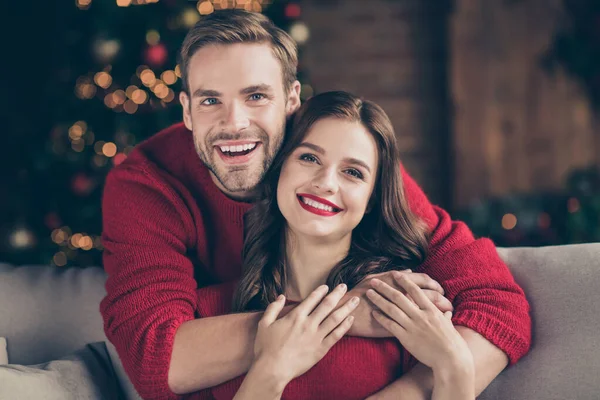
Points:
x=107, y=80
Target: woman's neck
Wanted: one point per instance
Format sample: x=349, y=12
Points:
x=310, y=261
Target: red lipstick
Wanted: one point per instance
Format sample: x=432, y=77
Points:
x=318, y=211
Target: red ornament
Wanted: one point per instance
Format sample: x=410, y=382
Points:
x=292, y=10
x=156, y=55
x=82, y=185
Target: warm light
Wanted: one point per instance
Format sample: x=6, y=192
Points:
x=130, y=90
x=123, y=3
x=109, y=149
x=170, y=96
x=178, y=71
x=509, y=221
x=60, y=259
x=103, y=79
x=78, y=145
x=75, y=239
x=139, y=96
x=190, y=17
x=148, y=78
x=98, y=243
x=86, y=243
x=109, y=101
x=299, y=32
x=119, y=97
x=58, y=236
x=21, y=238
x=169, y=77
x=205, y=8
x=573, y=205
x=161, y=90
x=152, y=37
x=83, y=4
x=76, y=131
x=89, y=137
x=130, y=107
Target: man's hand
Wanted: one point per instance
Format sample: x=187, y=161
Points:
x=365, y=325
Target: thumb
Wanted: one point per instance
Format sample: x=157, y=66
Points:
x=448, y=314
x=273, y=310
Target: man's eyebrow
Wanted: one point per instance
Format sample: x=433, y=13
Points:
x=262, y=87
x=206, y=93
x=350, y=160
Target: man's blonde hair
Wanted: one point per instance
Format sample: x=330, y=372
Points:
x=239, y=26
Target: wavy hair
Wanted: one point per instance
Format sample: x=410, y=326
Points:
x=388, y=237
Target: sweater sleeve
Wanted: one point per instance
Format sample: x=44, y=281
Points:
x=150, y=288
x=485, y=296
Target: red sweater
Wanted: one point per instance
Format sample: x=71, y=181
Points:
x=168, y=230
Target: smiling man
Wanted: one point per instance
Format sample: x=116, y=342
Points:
x=173, y=229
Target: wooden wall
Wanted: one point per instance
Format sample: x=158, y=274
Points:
x=516, y=129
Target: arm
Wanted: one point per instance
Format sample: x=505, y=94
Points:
x=151, y=303
x=471, y=273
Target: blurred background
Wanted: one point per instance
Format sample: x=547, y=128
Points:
x=496, y=104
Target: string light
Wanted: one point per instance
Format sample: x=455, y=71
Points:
x=110, y=149
x=83, y=4
x=60, y=259
x=205, y=7
x=123, y=3
x=152, y=37
x=103, y=79
x=148, y=78
x=169, y=77
x=509, y=221
x=130, y=107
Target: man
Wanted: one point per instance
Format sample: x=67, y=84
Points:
x=173, y=222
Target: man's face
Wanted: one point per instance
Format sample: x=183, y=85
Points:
x=237, y=110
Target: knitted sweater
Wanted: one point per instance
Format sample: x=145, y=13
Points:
x=168, y=230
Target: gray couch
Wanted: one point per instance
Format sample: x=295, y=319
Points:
x=48, y=313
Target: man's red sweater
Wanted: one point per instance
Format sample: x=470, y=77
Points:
x=168, y=231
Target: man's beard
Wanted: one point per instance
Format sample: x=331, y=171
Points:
x=242, y=178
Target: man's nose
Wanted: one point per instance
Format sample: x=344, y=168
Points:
x=235, y=118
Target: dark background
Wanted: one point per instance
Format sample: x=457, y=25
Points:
x=494, y=104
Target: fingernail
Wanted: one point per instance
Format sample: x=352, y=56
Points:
x=375, y=282
x=342, y=286
x=355, y=300
x=370, y=292
x=350, y=319
x=280, y=297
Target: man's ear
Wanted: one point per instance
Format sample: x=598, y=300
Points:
x=184, y=99
x=293, y=99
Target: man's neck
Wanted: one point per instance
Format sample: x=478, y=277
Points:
x=310, y=261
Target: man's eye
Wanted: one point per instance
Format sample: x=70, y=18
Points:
x=257, y=96
x=308, y=158
x=210, y=101
x=355, y=173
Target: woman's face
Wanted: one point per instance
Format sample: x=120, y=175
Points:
x=327, y=181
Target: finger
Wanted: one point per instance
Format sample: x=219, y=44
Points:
x=416, y=293
x=336, y=317
x=273, y=311
x=328, y=304
x=448, y=314
x=442, y=303
x=389, y=325
x=388, y=308
x=338, y=333
x=311, y=301
x=421, y=280
x=396, y=297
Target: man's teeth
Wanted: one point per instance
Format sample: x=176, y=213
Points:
x=235, y=149
x=318, y=205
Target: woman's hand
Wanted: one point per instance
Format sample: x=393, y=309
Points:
x=286, y=348
x=423, y=330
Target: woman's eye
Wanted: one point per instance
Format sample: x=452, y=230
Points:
x=209, y=102
x=355, y=173
x=308, y=158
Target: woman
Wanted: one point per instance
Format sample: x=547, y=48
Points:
x=328, y=218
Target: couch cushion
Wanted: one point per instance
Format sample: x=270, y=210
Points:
x=562, y=284
x=85, y=374
x=47, y=313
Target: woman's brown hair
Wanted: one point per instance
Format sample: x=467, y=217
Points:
x=388, y=237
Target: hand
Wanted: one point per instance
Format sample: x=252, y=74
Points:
x=366, y=326
x=291, y=345
x=423, y=330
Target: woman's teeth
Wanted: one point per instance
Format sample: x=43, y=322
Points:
x=318, y=205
